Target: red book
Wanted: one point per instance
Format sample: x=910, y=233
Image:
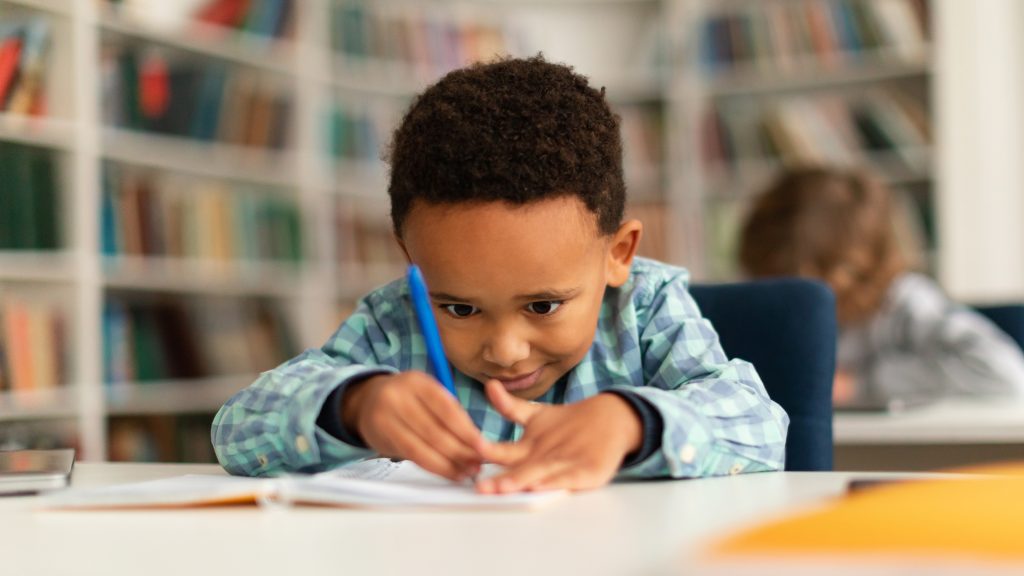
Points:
x=10, y=54
x=227, y=13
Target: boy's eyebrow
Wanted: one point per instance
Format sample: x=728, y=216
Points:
x=547, y=294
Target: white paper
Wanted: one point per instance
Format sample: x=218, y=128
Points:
x=372, y=483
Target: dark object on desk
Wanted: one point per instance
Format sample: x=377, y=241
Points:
x=786, y=327
x=860, y=484
x=1009, y=318
x=30, y=471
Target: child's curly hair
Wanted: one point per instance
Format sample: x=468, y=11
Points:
x=826, y=223
x=512, y=130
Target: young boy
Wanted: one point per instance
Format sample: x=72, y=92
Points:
x=575, y=362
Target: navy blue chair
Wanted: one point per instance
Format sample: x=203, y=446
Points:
x=786, y=327
x=1009, y=318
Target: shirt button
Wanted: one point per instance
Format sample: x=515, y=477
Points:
x=301, y=444
x=687, y=453
x=736, y=469
x=262, y=459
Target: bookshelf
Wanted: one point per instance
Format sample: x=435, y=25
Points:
x=765, y=84
x=246, y=125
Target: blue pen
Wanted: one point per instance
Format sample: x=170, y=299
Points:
x=425, y=317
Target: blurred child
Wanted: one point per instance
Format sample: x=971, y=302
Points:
x=900, y=336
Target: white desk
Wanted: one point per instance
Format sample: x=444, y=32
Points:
x=949, y=433
x=628, y=529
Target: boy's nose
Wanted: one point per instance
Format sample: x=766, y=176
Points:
x=505, y=349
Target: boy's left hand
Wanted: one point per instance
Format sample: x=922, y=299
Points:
x=572, y=446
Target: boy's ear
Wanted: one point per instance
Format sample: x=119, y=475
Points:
x=401, y=245
x=621, y=249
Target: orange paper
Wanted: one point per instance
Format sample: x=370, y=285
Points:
x=979, y=518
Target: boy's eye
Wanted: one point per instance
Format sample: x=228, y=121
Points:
x=544, y=307
x=459, y=310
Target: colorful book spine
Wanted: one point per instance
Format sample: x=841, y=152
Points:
x=32, y=343
x=24, y=50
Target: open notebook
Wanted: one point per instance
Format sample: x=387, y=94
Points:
x=370, y=483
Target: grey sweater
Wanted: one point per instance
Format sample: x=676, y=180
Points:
x=921, y=343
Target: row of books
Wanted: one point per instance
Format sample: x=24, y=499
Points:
x=839, y=129
x=360, y=131
x=162, y=91
x=271, y=18
x=152, y=213
x=24, y=48
x=421, y=40
x=30, y=200
x=770, y=36
x=165, y=339
x=184, y=438
x=363, y=239
x=33, y=343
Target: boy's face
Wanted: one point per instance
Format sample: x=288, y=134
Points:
x=517, y=289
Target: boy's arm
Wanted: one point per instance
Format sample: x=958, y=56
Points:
x=272, y=426
x=716, y=416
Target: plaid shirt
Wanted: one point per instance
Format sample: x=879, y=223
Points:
x=651, y=341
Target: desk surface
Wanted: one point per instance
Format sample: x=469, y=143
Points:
x=953, y=421
x=630, y=528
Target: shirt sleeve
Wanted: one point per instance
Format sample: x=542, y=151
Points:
x=716, y=415
x=923, y=343
x=272, y=427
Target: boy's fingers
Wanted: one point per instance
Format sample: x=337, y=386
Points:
x=506, y=453
x=449, y=414
x=436, y=435
x=524, y=476
x=515, y=409
x=415, y=449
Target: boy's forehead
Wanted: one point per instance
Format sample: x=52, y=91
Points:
x=498, y=247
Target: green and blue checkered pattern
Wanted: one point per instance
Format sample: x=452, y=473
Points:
x=651, y=341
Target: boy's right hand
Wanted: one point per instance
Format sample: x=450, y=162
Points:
x=410, y=415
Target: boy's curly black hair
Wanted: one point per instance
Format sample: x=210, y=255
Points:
x=513, y=130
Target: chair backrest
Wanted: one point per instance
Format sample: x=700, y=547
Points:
x=785, y=327
x=1009, y=318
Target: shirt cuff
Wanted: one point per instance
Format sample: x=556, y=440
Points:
x=650, y=422
x=330, y=420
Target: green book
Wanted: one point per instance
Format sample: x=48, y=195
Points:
x=43, y=176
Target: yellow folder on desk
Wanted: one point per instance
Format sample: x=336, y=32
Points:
x=960, y=519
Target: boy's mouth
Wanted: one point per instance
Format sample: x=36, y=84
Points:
x=520, y=382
